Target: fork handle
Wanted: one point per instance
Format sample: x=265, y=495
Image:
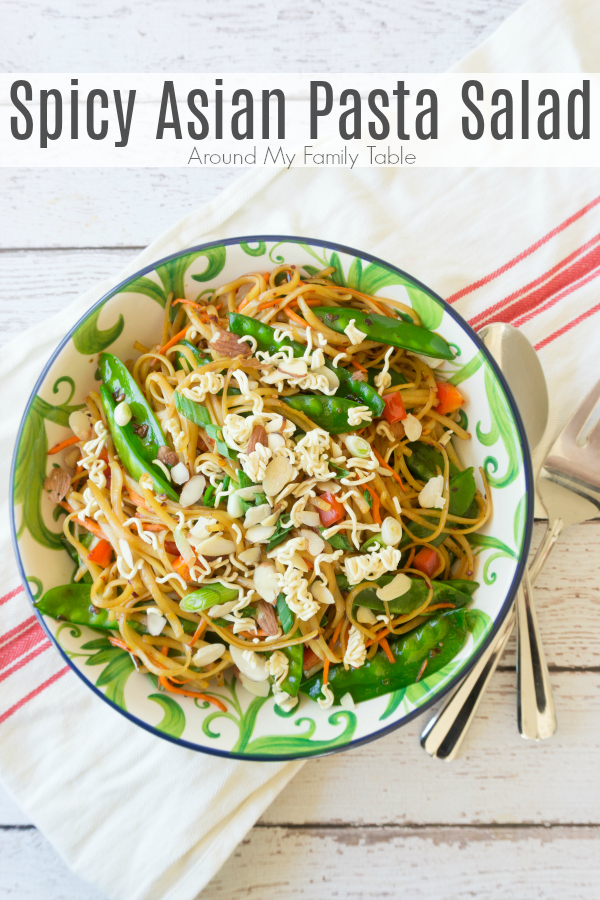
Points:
x=553, y=532
x=445, y=732
x=536, y=718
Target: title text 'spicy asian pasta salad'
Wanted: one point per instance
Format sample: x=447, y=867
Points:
x=273, y=490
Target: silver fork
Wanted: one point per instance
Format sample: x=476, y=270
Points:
x=569, y=485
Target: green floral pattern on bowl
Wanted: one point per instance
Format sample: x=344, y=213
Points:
x=253, y=727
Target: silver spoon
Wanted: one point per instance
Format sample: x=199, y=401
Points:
x=444, y=734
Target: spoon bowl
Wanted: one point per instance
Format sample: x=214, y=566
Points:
x=523, y=371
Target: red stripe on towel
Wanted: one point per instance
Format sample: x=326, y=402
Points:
x=568, y=326
x=574, y=287
x=21, y=644
x=511, y=263
x=32, y=694
x=514, y=306
x=23, y=662
x=10, y=595
x=5, y=638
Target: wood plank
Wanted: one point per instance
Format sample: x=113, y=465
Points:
x=361, y=35
x=37, y=285
x=100, y=208
x=499, y=778
x=498, y=864
x=358, y=864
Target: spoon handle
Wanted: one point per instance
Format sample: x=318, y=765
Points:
x=535, y=706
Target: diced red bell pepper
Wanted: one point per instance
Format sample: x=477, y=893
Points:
x=334, y=513
x=101, y=554
x=394, y=408
x=426, y=561
x=181, y=568
x=449, y=398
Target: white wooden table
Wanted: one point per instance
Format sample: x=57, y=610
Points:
x=509, y=819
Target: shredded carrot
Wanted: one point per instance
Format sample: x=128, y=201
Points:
x=117, y=642
x=382, y=634
x=292, y=315
x=202, y=312
x=385, y=466
x=163, y=681
x=87, y=523
x=63, y=444
x=325, y=672
x=336, y=634
x=244, y=303
x=150, y=526
x=358, y=366
x=422, y=669
x=376, y=504
x=268, y=303
x=174, y=340
x=198, y=632
x=386, y=649
x=250, y=634
x=136, y=499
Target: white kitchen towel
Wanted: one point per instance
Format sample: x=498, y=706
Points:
x=136, y=816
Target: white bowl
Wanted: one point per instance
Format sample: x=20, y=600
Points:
x=253, y=727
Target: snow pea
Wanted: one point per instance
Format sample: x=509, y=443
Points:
x=425, y=460
x=443, y=592
x=329, y=413
x=462, y=503
x=129, y=452
x=295, y=654
x=265, y=340
x=436, y=642
x=397, y=377
x=386, y=330
x=72, y=602
x=143, y=431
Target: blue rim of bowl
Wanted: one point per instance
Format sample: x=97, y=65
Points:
x=527, y=530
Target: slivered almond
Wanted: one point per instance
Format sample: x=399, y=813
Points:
x=275, y=441
x=316, y=544
x=296, y=368
x=266, y=618
x=266, y=582
x=278, y=473
x=359, y=376
x=216, y=546
x=258, y=436
x=228, y=344
x=58, y=483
